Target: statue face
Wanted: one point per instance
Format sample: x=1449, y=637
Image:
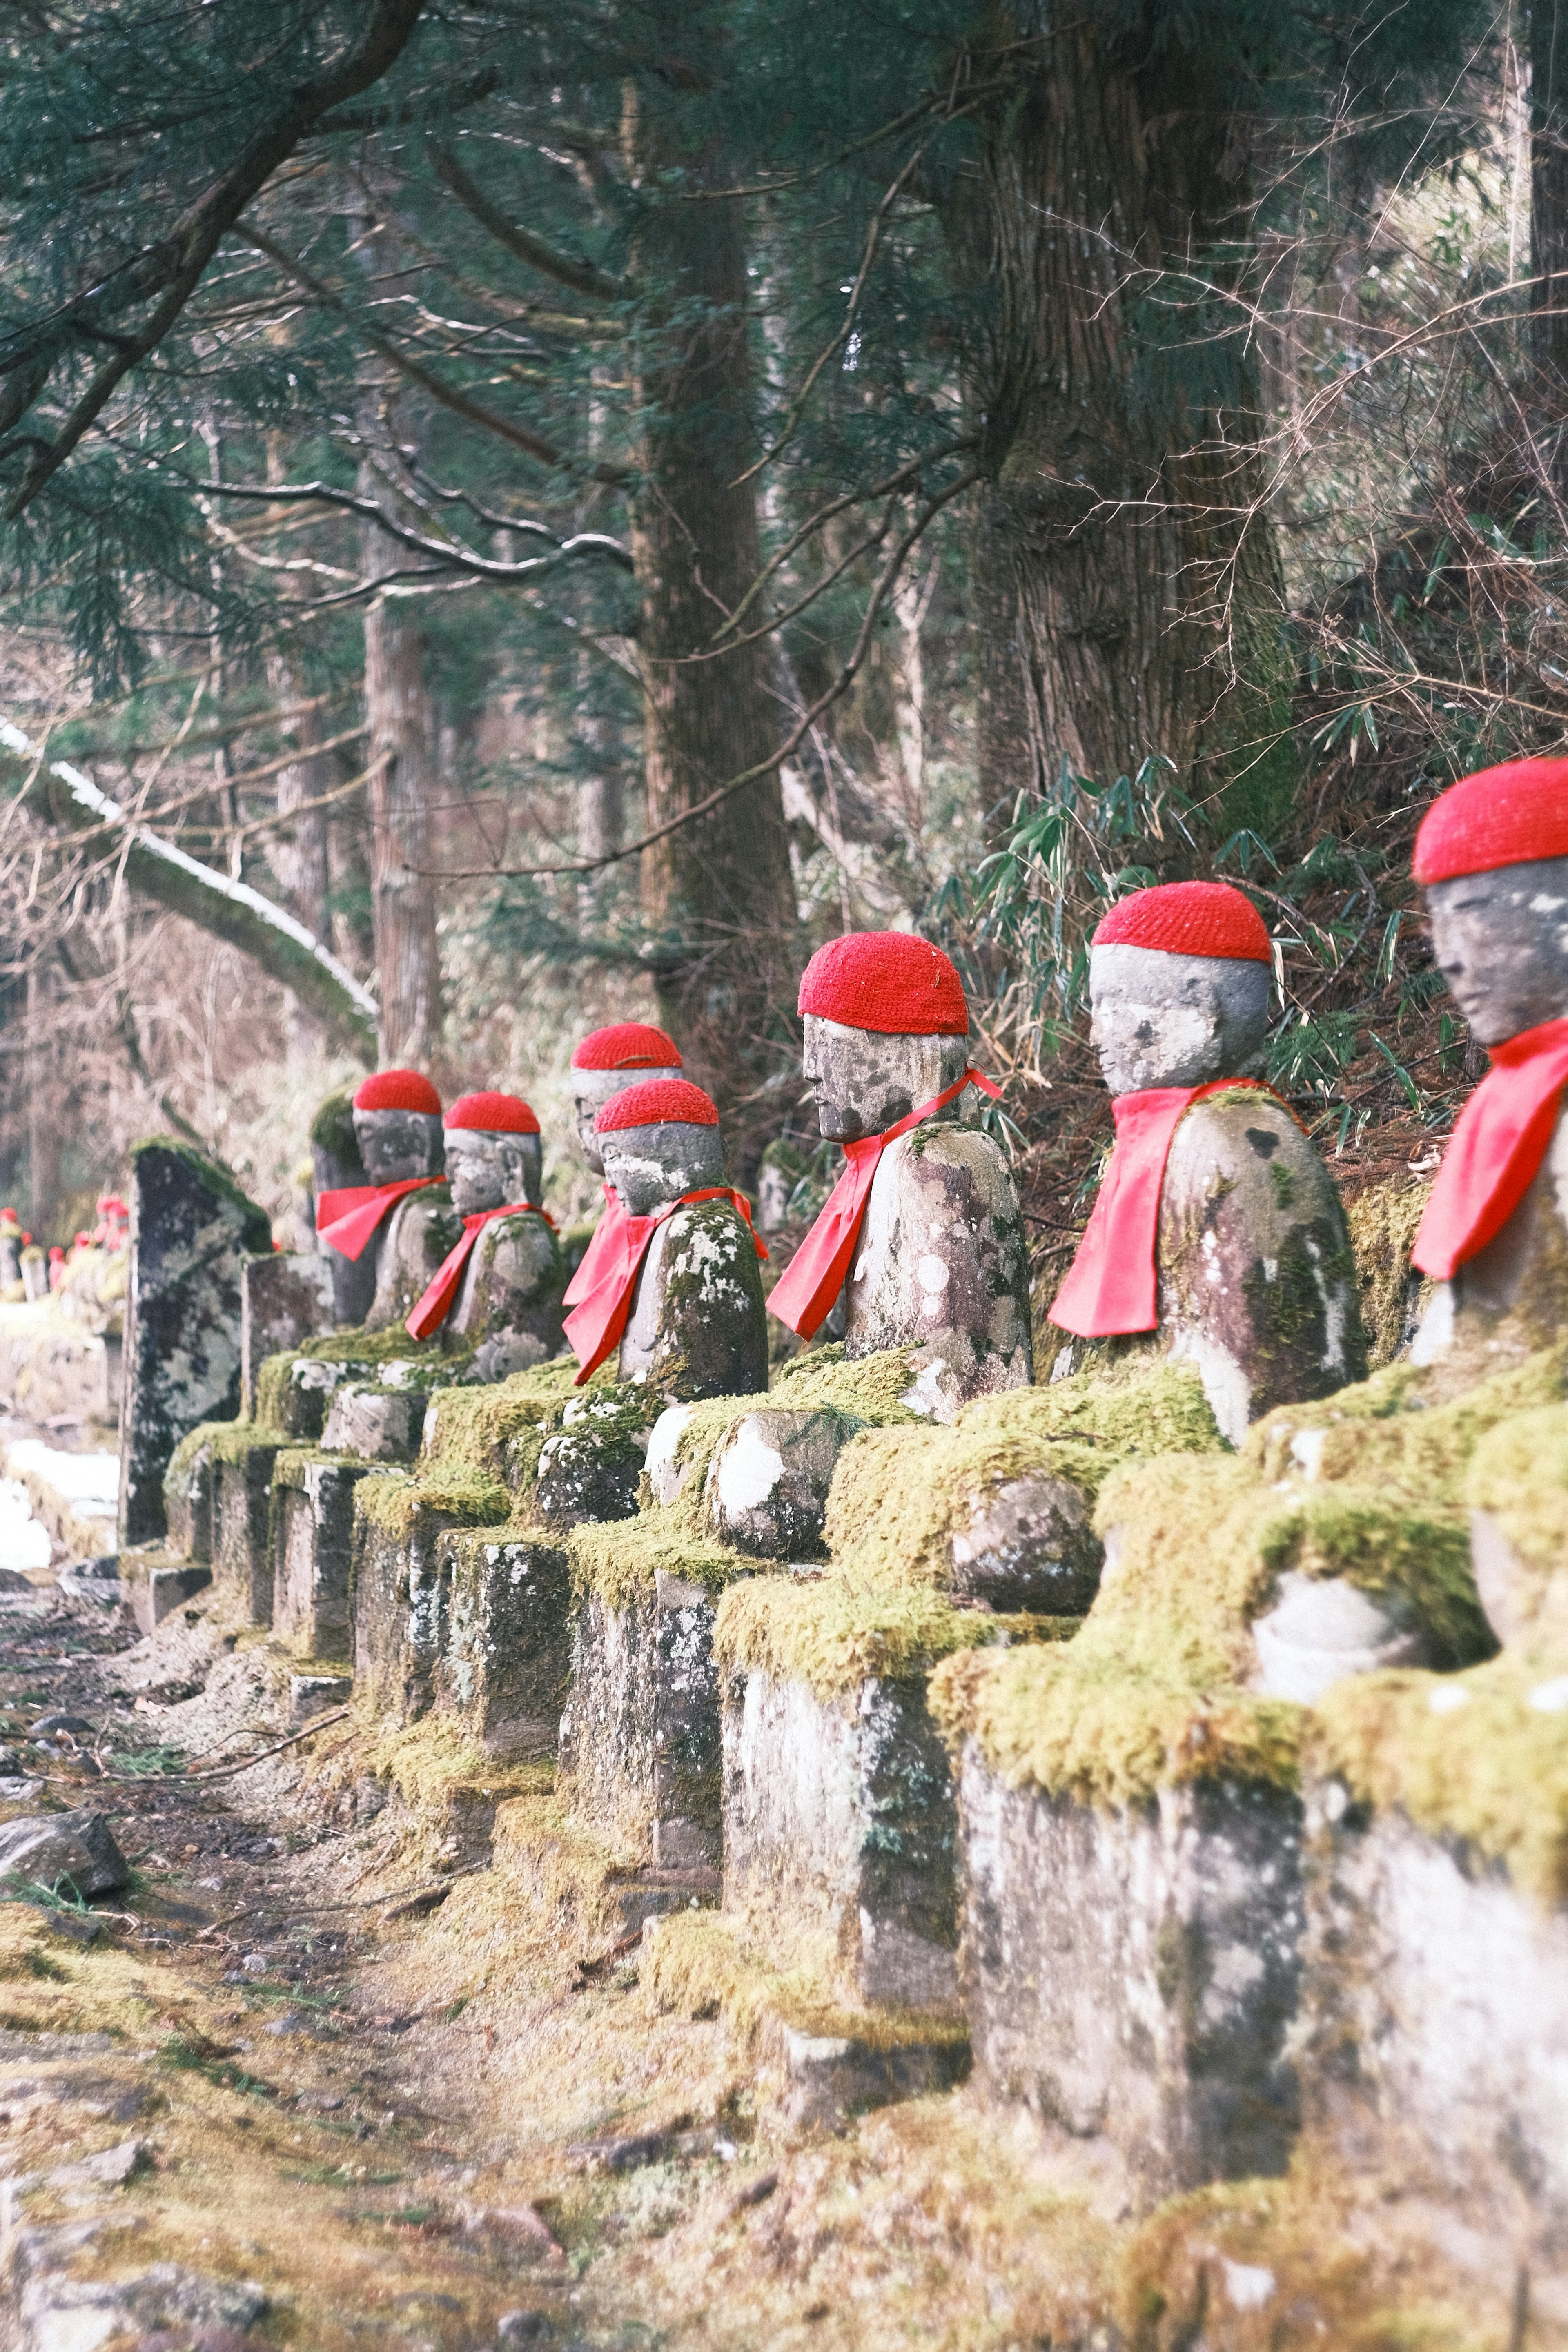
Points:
x=651, y=1165
x=590, y=1090
x=1174, y=1020
x=487, y=1169
x=864, y=1080
x=1500, y=942
x=395, y=1144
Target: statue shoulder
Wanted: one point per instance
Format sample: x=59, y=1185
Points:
x=1245, y=1147
x=939, y=1163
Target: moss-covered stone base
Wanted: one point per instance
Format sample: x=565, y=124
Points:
x=505, y=1663
x=400, y=1598
x=311, y=1536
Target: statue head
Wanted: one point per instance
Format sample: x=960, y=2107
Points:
x=606, y=1064
x=1492, y=856
x=397, y=1126
x=494, y=1155
x=659, y=1140
x=887, y=1029
x=1178, y=982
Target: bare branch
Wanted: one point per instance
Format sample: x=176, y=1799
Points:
x=582, y=277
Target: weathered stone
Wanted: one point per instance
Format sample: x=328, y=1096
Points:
x=337, y=1167
x=189, y=1488
x=767, y=1484
x=77, y=1847
x=1134, y=1975
x=402, y=1589
x=840, y=1824
x=53, y=1368
x=422, y=1230
x=505, y=1665
x=1322, y=1628
x=35, y=1274
x=374, y=1425
x=284, y=1299
x=241, y=1550
x=640, y=1738
x=698, y=1326
x=833, y=2078
x=191, y=1229
x=314, y=1695
x=943, y=1265
x=1164, y=1020
x=313, y=1554
x=1258, y=1283
x=508, y=1307
x=590, y=1468
x=156, y=1584
x=307, y=1397
x=1029, y=1545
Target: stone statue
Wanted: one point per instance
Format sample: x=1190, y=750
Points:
x=922, y=1237
x=500, y=1285
x=604, y=1065
x=1216, y=1225
x=406, y=1210
x=683, y=1296
x=1492, y=856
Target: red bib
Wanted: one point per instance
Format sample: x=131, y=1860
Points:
x=596, y=1324
x=1112, y=1286
x=804, y=1294
x=345, y=1220
x=602, y=1244
x=435, y=1304
x=1495, y=1153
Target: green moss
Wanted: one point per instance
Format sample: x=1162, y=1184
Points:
x=1519, y=1474
x=499, y=1430
x=257, y=1236
x=1382, y=1222
x=222, y=1440
x=439, y=1357
x=1419, y=1557
x=834, y=1636
x=619, y=1560
x=698, y=1964
x=333, y=1126
x=1492, y=1770
x=394, y=1502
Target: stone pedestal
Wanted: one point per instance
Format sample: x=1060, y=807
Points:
x=191, y=1230
x=840, y=1824
x=155, y=1583
x=505, y=1665
x=766, y=1490
x=312, y=1553
x=374, y=1425
x=1135, y=1976
x=400, y=1593
x=284, y=1299
x=640, y=1738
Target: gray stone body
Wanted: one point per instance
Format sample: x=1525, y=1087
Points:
x=191, y=1230
x=590, y=1469
x=1435, y=2025
x=311, y=1537
x=697, y=1326
x=509, y=1306
x=640, y=1737
x=1028, y=1546
x=505, y=1667
x=1322, y=1628
x=374, y=1424
x=336, y=1167
x=590, y=1090
x=1134, y=1976
x=839, y=1830
x=941, y=1263
x=767, y=1489
x=422, y=1230
x=10, y=1254
x=285, y=1298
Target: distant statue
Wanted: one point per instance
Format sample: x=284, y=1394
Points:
x=1216, y=1225
x=921, y=1236
x=1492, y=856
x=500, y=1286
x=406, y=1210
x=603, y=1065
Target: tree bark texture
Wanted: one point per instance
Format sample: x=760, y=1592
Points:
x=718, y=891
x=1548, y=191
x=1129, y=583
x=403, y=757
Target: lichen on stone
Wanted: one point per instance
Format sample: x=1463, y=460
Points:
x=498, y=1430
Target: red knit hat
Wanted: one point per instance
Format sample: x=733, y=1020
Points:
x=1504, y=816
x=495, y=1114
x=398, y=1090
x=891, y=982
x=626, y=1045
x=1194, y=919
x=654, y=1104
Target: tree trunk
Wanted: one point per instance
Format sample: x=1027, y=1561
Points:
x=1549, y=192
x=45, y=1124
x=718, y=891
x=1130, y=588
x=401, y=752
x=601, y=789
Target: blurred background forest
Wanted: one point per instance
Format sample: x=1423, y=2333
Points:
x=518, y=516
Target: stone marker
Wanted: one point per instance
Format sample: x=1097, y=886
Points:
x=285, y=1297
x=191, y=1230
x=1216, y=1227
x=336, y=1166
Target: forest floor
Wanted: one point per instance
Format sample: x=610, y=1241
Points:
x=355, y=2060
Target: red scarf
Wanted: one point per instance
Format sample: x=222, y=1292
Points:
x=1111, y=1285
x=596, y=1324
x=345, y=1220
x=1495, y=1150
x=435, y=1304
x=603, y=1243
x=804, y=1294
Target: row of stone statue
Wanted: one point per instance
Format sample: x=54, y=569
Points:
x=1216, y=1234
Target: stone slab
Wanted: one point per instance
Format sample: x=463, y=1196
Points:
x=54, y=1368
x=640, y=1737
x=311, y=1537
x=1134, y=1976
x=840, y=1822
x=155, y=1585
x=241, y=1547
x=285, y=1297
x=505, y=1665
x=374, y=1425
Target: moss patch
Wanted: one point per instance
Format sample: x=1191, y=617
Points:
x=394, y=1502
x=223, y=1441
x=333, y=1127
x=1382, y=1222
x=256, y=1235
x=1519, y=1473
x=834, y=1635
x=497, y=1430
x=620, y=1561
x=1422, y=1558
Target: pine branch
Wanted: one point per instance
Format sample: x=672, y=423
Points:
x=580, y=276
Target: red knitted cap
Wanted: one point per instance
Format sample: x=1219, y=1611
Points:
x=496, y=1114
x=626, y=1045
x=1196, y=919
x=656, y=1102
x=1504, y=816
x=398, y=1090
x=891, y=982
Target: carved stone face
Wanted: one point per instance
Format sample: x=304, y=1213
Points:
x=590, y=1090
x=1500, y=942
x=865, y=1081
x=1165, y=1020
x=487, y=1169
x=651, y=1165
x=398, y=1144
